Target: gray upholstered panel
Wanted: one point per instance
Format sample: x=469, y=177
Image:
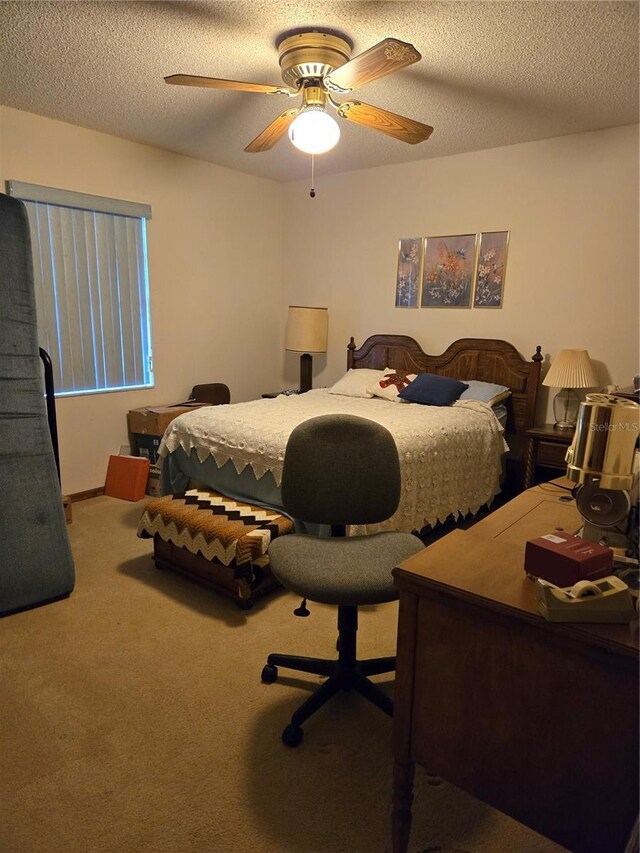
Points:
x=344, y=570
x=35, y=557
x=341, y=469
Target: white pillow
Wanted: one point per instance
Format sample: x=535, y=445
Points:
x=355, y=382
x=485, y=392
x=391, y=383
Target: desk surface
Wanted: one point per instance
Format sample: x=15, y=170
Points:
x=485, y=564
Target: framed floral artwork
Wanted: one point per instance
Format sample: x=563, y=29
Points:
x=447, y=271
x=492, y=264
x=408, y=277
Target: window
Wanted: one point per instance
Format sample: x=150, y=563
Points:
x=92, y=288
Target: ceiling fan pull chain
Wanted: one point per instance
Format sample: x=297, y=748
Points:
x=312, y=192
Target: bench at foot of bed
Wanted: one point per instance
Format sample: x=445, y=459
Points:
x=217, y=541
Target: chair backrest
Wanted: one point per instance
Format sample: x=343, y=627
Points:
x=215, y=393
x=341, y=469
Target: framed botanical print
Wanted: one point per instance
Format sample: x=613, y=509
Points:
x=447, y=271
x=409, y=269
x=492, y=263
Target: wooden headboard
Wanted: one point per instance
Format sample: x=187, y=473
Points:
x=484, y=359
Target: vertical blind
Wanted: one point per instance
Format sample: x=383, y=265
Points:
x=91, y=282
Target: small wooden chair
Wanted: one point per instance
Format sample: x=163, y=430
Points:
x=215, y=393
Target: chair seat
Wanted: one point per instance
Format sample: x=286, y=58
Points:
x=342, y=570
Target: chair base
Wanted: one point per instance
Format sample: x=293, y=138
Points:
x=345, y=673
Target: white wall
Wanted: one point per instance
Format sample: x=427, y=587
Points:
x=570, y=204
x=215, y=268
x=228, y=253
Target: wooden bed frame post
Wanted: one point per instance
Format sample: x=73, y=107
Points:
x=351, y=348
x=534, y=380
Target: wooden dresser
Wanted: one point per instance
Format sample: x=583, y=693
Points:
x=539, y=720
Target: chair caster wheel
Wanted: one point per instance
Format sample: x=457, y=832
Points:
x=269, y=674
x=292, y=735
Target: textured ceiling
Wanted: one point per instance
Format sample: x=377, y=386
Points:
x=492, y=73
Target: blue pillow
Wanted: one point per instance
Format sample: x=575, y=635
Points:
x=432, y=390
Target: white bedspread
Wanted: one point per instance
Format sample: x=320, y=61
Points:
x=449, y=456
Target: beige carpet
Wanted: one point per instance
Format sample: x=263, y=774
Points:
x=132, y=718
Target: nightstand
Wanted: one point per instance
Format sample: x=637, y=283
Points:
x=547, y=449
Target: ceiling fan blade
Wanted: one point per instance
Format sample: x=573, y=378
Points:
x=219, y=83
x=272, y=133
x=383, y=58
x=404, y=129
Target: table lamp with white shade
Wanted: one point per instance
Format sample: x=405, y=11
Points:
x=571, y=369
x=307, y=330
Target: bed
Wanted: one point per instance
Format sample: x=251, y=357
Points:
x=452, y=457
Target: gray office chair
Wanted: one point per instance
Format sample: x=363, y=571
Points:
x=339, y=470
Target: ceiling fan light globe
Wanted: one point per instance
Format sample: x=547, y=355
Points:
x=314, y=131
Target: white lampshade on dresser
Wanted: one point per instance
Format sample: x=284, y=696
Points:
x=571, y=369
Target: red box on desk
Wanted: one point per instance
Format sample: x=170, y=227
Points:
x=564, y=559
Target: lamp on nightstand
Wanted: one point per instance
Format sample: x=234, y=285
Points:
x=306, y=333
x=571, y=369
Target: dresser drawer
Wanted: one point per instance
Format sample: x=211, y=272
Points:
x=551, y=454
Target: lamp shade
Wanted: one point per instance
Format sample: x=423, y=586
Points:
x=314, y=131
x=572, y=368
x=307, y=329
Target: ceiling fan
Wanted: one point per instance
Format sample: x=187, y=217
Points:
x=317, y=64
